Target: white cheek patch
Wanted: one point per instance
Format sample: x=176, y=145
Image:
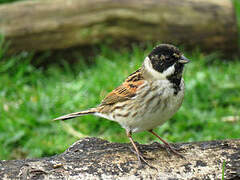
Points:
x=150, y=71
x=169, y=71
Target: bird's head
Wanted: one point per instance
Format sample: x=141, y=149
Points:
x=165, y=62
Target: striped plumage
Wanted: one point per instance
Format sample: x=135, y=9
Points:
x=148, y=97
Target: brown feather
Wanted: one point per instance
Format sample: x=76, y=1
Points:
x=125, y=91
x=76, y=114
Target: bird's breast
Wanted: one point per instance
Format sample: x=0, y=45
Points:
x=153, y=105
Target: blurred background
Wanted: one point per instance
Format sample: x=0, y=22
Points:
x=62, y=56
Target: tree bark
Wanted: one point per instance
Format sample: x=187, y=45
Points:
x=55, y=24
x=93, y=158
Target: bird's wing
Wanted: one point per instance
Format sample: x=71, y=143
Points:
x=126, y=90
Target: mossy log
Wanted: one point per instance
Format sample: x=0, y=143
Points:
x=56, y=24
x=93, y=158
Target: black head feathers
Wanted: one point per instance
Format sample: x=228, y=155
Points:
x=163, y=56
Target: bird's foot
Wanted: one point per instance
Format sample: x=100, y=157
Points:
x=142, y=160
x=170, y=149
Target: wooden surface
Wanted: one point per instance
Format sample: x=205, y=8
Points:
x=93, y=158
x=56, y=24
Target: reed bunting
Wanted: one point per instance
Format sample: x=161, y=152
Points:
x=148, y=97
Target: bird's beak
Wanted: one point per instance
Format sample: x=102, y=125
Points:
x=184, y=60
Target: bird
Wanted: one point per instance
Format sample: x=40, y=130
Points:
x=147, y=98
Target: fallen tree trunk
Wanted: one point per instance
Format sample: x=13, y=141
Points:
x=93, y=158
x=55, y=24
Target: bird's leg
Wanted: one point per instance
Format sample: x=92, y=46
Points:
x=139, y=156
x=166, y=144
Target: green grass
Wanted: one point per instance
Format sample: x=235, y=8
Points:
x=8, y=1
x=31, y=97
x=223, y=169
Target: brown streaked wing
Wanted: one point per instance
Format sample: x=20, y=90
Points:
x=125, y=91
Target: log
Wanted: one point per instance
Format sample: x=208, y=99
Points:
x=93, y=158
x=56, y=24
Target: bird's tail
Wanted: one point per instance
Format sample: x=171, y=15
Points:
x=76, y=114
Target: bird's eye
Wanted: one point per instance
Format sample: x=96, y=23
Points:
x=176, y=55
